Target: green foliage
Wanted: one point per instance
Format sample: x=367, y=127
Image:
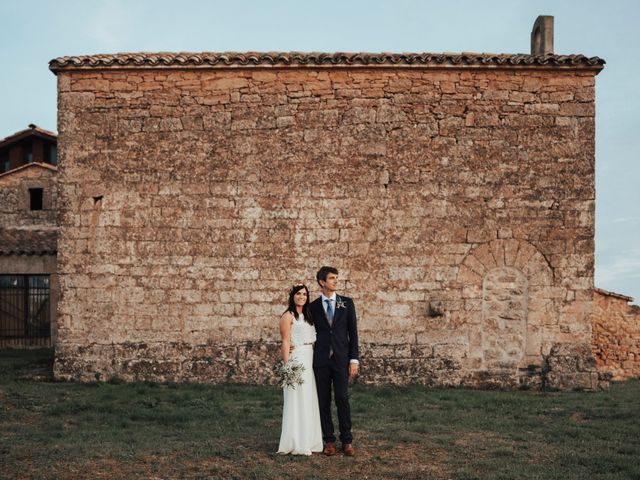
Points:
x=140, y=430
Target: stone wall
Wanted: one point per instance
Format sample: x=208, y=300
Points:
x=458, y=204
x=14, y=197
x=616, y=335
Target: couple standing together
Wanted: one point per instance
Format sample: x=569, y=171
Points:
x=329, y=322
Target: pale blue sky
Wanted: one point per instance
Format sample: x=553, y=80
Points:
x=34, y=32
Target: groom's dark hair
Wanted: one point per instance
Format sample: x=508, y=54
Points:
x=323, y=272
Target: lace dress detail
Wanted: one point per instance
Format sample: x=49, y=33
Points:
x=302, y=332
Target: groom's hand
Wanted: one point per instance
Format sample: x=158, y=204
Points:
x=353, y=370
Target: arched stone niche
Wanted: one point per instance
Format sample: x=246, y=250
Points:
x=504, y=317
x=508, y=292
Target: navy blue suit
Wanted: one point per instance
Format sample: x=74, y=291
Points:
x=341, y=338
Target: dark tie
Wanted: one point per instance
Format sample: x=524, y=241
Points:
x=329, y=312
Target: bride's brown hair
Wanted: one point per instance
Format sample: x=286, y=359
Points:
x=306, y=311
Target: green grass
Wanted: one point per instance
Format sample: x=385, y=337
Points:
x=56, y=430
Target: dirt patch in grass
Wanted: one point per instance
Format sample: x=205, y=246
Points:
x=372, y=461
x=578, y=417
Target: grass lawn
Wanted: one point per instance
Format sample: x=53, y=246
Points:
x=55, y=430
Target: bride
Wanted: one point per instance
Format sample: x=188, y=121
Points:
x=301, y=431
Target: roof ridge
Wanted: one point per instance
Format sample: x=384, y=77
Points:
x=613, y=294
x=33, y=126
x=311, y=59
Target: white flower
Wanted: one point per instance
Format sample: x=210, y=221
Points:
x=290, y=373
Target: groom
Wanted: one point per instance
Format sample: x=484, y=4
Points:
x=335, y=357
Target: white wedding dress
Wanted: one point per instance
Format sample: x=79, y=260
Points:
x=301, y=431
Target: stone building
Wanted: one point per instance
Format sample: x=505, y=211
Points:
x=455, y=193
x=31, y=145
x=616, y=334
x=28, y=235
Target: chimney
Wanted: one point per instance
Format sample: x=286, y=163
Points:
x=542, y=36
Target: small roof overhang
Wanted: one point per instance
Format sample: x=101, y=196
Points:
x=28, y=241
x=21, y=168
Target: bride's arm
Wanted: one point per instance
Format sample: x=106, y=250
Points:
x=285, y=334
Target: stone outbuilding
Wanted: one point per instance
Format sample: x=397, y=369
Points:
x=455, y=193
x=616, y=334
x=28, y=238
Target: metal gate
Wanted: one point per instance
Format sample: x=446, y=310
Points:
x=25, y=311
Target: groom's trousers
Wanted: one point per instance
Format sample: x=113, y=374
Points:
x=336, y=375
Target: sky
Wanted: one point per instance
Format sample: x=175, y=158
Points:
x=34, y=32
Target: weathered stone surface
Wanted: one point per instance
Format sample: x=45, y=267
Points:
x=14, y=197
x=504, y=315
x=190, y=207
x=571, y=366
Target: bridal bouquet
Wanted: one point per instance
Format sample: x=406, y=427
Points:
x=290, y=373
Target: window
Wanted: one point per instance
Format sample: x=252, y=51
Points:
x=28, y=153
x=53, y=155
x=35, y=198
x=4, y=162
x=25, y=308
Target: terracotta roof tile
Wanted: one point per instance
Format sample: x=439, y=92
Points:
x=25, y=241
x=299, y=59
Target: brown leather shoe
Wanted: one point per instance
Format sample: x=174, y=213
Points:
x=347, y=448
x=329, y=449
